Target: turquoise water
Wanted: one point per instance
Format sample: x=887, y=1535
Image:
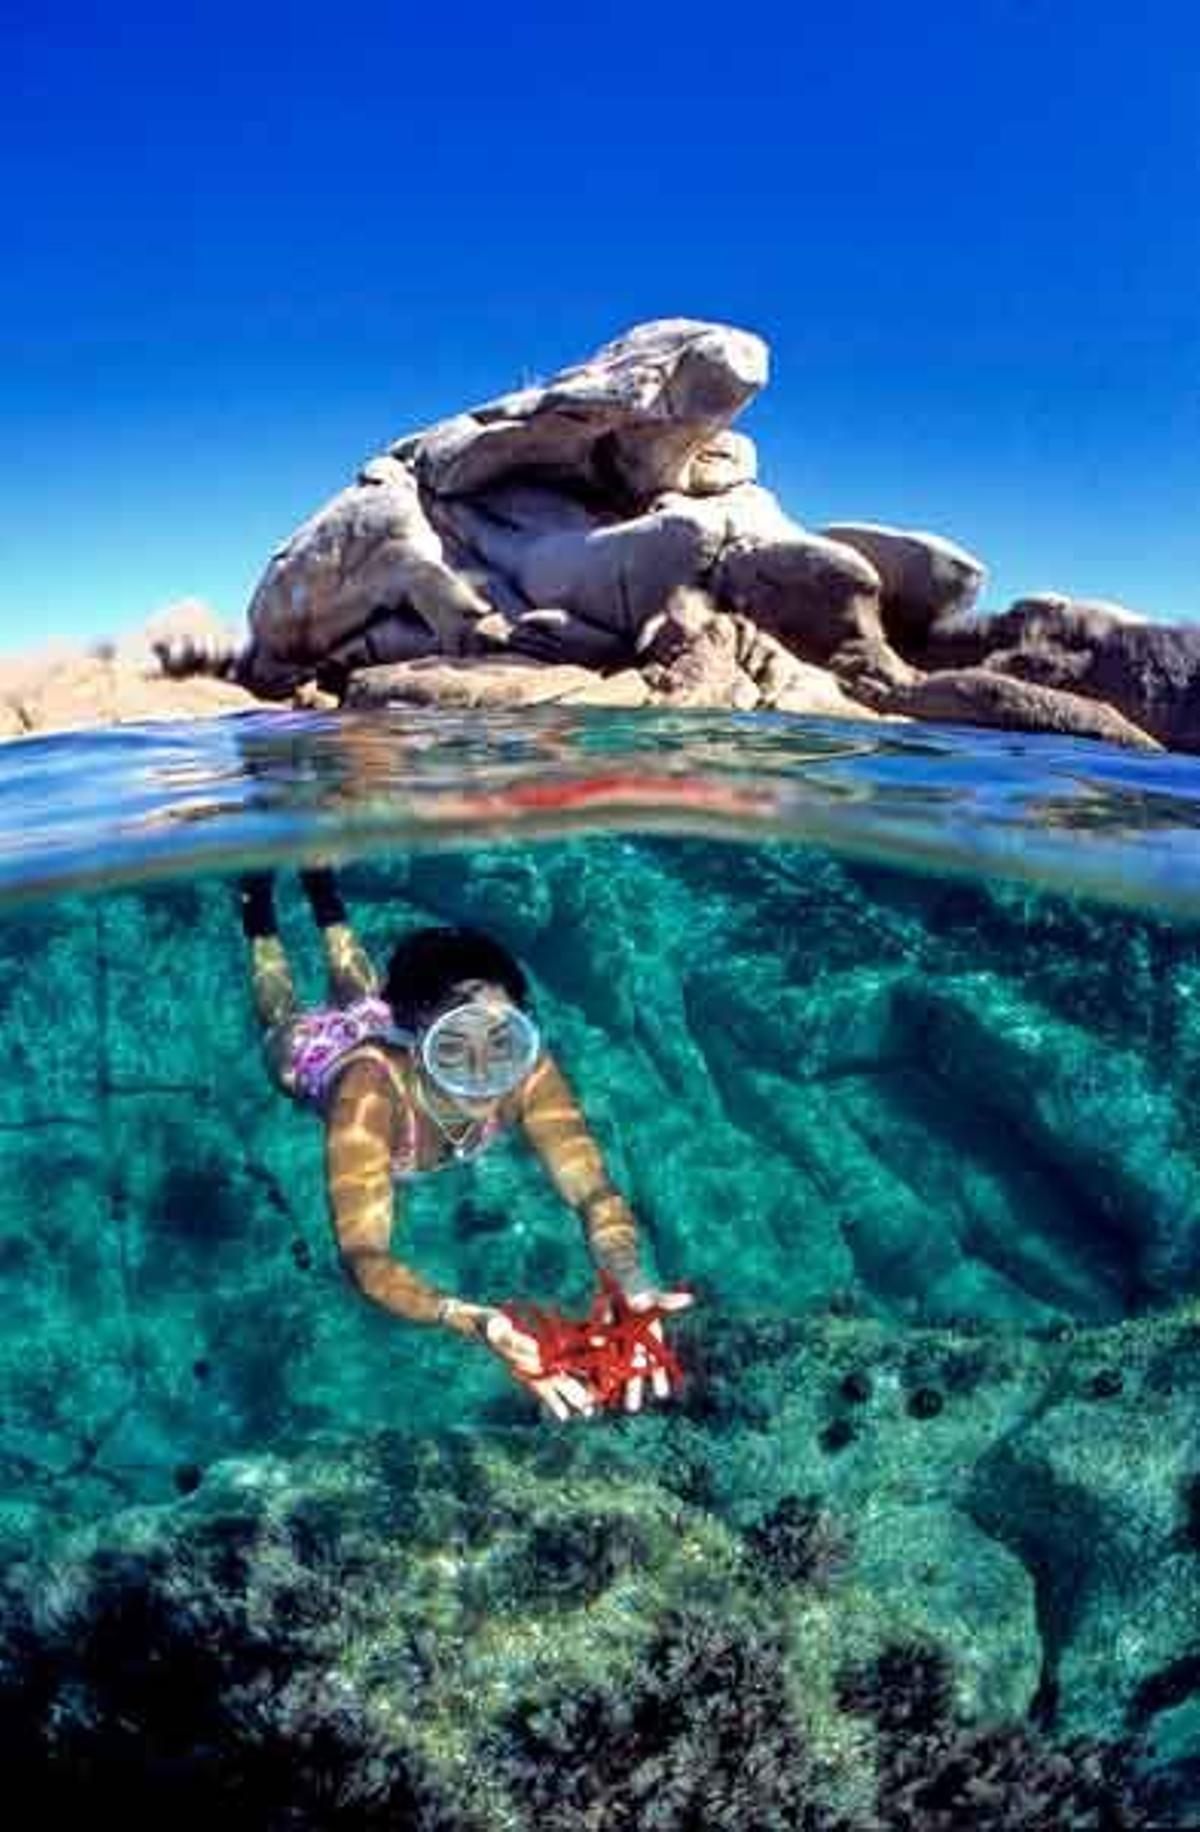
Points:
x=892, y=1038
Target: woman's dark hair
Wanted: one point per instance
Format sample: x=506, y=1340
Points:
x=427, y=966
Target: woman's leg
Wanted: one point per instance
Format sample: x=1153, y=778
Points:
x=275, y=1002
x=351, y=975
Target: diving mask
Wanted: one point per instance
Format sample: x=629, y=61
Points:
x=480, y=1051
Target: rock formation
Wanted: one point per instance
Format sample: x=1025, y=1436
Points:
x=539, y=548
x=561, y=523
x=1149, y=672
x=562, y=526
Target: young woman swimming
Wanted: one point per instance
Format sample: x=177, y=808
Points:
x=422, y=1072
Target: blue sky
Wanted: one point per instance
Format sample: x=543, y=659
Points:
x=245, y=246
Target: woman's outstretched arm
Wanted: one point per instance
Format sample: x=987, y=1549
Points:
x=558, y=1131
x=358, y=1165
x=554, y=1121
x=358, y=1159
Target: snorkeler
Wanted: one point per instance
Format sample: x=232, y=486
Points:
x=421, y=1073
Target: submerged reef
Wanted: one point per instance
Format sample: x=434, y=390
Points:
x=916, y=1547
x=387, y=1631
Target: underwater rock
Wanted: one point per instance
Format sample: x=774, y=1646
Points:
x=799, y=1542
x=441, y=1635
x=703, y=1736
x=935, y=1773
x=929, y=1573
x=1097, y=1117
x=1090, y=1497
x=814, y=1095
x=339, y=1636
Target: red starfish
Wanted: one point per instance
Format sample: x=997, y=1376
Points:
x=601, y=1349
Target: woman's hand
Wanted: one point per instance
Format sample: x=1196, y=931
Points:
x=660, y=1379
x=560, y=1394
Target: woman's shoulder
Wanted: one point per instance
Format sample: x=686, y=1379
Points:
x=376, y=1064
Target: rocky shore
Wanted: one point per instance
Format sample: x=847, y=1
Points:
x=602, y=539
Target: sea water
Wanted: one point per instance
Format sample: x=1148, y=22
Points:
x=891, y=1036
